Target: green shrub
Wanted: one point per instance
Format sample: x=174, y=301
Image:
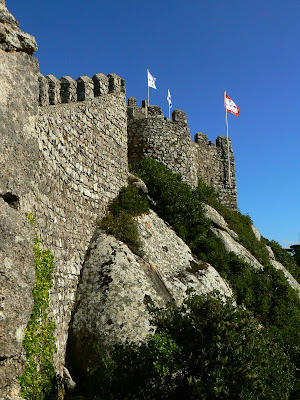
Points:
x=174, y=199
x=123, y=227
x=131, y=201
x=205, y=349
x=265, y=292
x=38, y=380
x=119, y=221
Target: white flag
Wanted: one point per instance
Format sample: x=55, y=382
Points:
x=151, y=80
x=169, y=99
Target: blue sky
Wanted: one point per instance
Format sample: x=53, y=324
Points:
x=197, y=49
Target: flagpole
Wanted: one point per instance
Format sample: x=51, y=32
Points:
x=148, y=83
x=229, y=177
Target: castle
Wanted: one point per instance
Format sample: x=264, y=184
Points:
x=65, y=150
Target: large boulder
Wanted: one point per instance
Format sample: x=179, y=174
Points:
x=117, y=285
x=17, y=277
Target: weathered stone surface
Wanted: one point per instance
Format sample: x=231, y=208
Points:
x=150, y=135
x=5, y=16
x=178, y=267
x=11, y=37
x=231, y=245
x=117, y=285
x=18, y=108
x=218, y=220
x=17, y=278
x=256, y=232
x=289, y=277
x=211, y=162
x=82, y=166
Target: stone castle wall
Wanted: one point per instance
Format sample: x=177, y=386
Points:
x=150, y=134
x=63, y=158
x=82, y=165
x=211, y=161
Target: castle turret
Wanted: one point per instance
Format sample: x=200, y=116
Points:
x=150, y=134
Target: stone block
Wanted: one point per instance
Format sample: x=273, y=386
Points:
x=116, y=83
x=131, y=102
x=68, y=89
x=53, y=89
x=201, y=138
x=101, y=83
x=179, y=116
x=43, y=91
x=85, y=88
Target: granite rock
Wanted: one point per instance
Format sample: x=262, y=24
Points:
x=117, y=285
x=17, y=277
x=218, y=220
x=233, y=246
x=11, y=36
x=289, y=277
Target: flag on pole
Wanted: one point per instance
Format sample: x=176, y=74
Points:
x=169, y=99
x=151, y=80
x=231, y=106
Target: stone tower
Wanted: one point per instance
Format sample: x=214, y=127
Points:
x=150, y=134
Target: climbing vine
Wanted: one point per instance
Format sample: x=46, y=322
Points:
x=38, y=379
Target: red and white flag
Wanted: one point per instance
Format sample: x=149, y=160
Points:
x=231, y=106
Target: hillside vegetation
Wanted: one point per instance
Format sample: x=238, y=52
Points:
x=208, y=349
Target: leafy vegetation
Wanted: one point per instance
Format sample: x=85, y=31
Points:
x=119, y=220
x=174, y=200
x=206, y=349
x=264, y=292
x=209, y=348
x=38, y=380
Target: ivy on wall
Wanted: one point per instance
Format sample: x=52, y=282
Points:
x=38, y=379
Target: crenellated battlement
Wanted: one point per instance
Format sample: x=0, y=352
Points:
x=201, y=139
x=67, y=90
x=135, y=112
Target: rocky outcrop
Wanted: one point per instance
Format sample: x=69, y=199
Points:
x=218, y=220
x=229, y=237
x=18, y=108
x=289, y=277
x=117, y=286
x=17, y=278
x=231, y=245
x=11, y=36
